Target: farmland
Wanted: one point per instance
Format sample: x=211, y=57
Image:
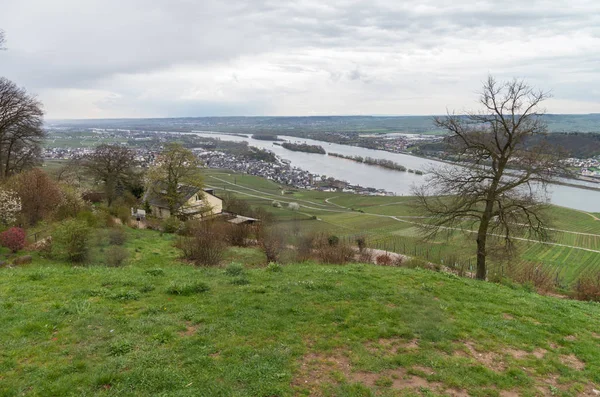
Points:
x=390, y=223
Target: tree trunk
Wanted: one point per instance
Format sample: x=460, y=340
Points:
x=482, y=240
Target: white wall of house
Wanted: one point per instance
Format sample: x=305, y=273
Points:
x=201, y=199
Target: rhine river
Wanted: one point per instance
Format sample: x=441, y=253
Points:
x=400, y=183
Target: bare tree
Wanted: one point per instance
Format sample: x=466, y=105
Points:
x=113, y=166
x=21, y=132
x=499, y=190
x=2, y=39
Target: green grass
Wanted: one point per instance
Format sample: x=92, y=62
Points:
x=161, y=327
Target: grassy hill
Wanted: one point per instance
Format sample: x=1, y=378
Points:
x=161, y=327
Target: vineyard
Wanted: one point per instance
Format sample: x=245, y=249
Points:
x=391, y=224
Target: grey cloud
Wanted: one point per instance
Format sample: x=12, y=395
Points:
x=70, y=44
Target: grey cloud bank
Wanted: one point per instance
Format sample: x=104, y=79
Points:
x=133, y=58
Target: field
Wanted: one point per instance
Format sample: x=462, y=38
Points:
x=161, y=327
x=390, y=223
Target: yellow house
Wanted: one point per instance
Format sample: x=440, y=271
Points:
x=195, y=203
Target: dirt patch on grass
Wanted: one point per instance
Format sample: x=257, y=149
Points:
x=318, y=369
x=572, y=361
x=538, y=353
x=391, y=345
x=507, y=316
x=571, y=338
x=190, y=330
x=492, y=360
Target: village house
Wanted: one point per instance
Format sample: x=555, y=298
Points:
x=194, y=203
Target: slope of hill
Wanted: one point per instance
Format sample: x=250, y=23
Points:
x=160, y=327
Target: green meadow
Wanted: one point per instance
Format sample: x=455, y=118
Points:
x=158, y=326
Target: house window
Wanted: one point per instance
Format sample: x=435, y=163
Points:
x=197, y=197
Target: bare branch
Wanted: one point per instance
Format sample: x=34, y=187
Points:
x=499, y=186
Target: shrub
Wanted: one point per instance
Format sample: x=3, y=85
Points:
x=361, y=243
x=339, y=253
x=71, y=204
x=274, y=267
x=294, y=206
x=384, y=260
x=206, y=245
x=156, y=272
x=72, y=239
x=333, y=240
x=271, y=241
x=587, y=287
x=40, y=195
x=13, y=239
x=116, y=256
x=276, y=204
x=240, y=281
x=117, y=236
x=121, y=211
x=238, y=235
x=10, y=206
x=304, y=247
x=540, y=276
x=186, y=289
x=234, y=269
x=171, y=225
x=414, y=263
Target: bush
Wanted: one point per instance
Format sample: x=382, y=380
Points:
x=72, y=240
x=414, y=263
x=234, y=269
x=333, y=240
x=206, y=245
x=384, y=260
x=271, y=241
x=117, y=236
x=361, y=243
x=587, y=287
x=541, y=277
x=294, y=206
x=240, y=281
x=340, y=253
x=274, y=268
x=186, y=289
x=40, y=195
x=238, y=235
x=122, y=212
x=276, y=204
x=304, y=247
x=116, y=256
x=171, y=225
x=13, y=239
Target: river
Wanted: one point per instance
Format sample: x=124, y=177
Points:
x=400, y=183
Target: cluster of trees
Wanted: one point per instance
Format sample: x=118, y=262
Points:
x=303, y=147
x=391, y=165
x=266, y=137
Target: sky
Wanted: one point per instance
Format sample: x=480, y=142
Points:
x=176, y=58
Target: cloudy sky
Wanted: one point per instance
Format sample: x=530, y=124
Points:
x=164, y=58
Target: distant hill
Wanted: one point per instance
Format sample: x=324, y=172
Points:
x=311, y=124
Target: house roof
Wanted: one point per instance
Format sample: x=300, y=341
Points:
x=239, y=219
x=155, y=198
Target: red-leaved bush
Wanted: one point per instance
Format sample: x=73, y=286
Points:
x=13, y=239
